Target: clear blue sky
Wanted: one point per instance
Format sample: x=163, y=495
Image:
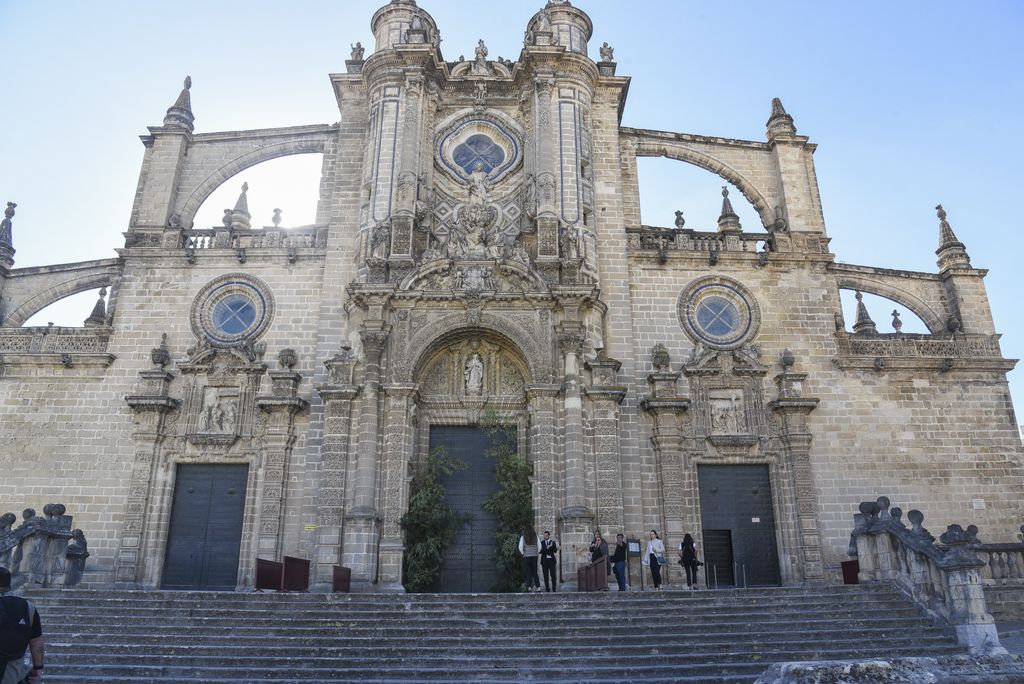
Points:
x=911, y=104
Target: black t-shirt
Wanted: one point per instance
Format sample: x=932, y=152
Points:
x=17, y=627
x=620, y=552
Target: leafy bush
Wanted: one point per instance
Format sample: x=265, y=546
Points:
x=430, y=523
x=512, y=504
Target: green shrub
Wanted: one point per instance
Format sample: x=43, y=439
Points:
x=430, y=523
x=512, y=504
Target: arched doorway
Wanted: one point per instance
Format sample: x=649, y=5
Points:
x=472, y=397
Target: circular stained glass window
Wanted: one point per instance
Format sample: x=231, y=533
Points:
x=478, y=149
x=718, y=312
x=232, y=309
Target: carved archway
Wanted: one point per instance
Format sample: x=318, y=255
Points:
x=536, y=358
x=187, y=209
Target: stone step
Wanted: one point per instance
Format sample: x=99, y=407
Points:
x=479, y=669
x=521, y=649
x=221, y=641
x=721, y=636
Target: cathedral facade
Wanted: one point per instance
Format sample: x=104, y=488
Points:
x=245, y=391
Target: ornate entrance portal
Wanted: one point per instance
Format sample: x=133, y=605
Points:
x=469, y=564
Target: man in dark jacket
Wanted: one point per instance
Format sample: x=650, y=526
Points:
x=20, y=629
x=548, y=561
x=619, y=562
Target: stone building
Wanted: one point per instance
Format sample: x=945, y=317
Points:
x=245, y=391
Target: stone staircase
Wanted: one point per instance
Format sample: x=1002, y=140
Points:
x=704, y=636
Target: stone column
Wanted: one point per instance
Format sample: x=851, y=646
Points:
x=540, y=402
x=151, y=406
x=400, y=406
x=337, y=397
x=792, y=409
x=605, y=395
x=361, y=529
x=665, y=408
x=547, y=178
x=400, y=259
x=280, y=405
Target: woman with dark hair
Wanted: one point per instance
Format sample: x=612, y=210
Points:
x=688, y=559
x=655, y=558
x=529, y=547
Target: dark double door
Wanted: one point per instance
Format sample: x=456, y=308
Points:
x=205, y=533
x=738, y=522
x=469, y=565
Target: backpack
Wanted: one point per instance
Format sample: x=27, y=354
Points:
x=15, y=626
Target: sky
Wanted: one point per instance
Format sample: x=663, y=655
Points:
x=911, y=104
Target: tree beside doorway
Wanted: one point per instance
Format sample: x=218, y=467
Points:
x=431, y=523
x=512, y=504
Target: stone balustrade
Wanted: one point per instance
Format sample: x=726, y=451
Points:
x=665, y=240
x=313, y=236
x=945, y=578
x=43, y=551
x=1004, y=563
x=52, y=338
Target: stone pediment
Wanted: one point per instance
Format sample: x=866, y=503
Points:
x=474, y=277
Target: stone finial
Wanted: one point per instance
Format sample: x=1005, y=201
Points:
x=863, y=325
x=951, y=252
x=240, y=214
x=787, y=360
x=99, y=312
x=680, y=221
x=897, y=324
x=729, y=221
x=287, y=358
x=661, y=359
x=7, y=236
x=179, y=115
x=276, y=218
x=161, y=356
x=780, y=124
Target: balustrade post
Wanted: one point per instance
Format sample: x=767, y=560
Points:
x=975, y=627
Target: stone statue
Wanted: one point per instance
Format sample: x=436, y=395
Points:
x=571, y=242
x=480, y=67
x=417, y=23
x=229, y=415
x=357, y=52
x=473, y=375
x=479, y=185
x=381, y=245
x=607, y=53
x=5, y=225
x=544, y=23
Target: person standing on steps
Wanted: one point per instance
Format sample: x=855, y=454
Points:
x=688, y=559
x=20, y=630
x=529, y=547
x=598, y=547
x=655, y=558
x=619, y=561
x=549, y=562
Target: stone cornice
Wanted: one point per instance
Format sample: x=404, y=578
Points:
x=152, y=403
x=663, y=404
x=338, y=392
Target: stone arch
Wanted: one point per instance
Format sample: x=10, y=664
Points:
x=661, y=148
x=187, y=209
x=54, y=293
x=932, y=319
x=430, y=338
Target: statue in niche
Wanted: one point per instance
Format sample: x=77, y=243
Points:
x=357, y=52
x=473, y=375
x=571, y=242
x=417, y=23
x=479, y=185
x=228, y=415
x=380, y=247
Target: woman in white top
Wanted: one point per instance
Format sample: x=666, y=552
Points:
x=654, y=557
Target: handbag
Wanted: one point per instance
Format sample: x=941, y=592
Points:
x=661, y=560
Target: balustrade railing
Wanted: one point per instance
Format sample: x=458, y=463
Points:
x=43, y=551
x=945, y=578
x=1004, y=563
